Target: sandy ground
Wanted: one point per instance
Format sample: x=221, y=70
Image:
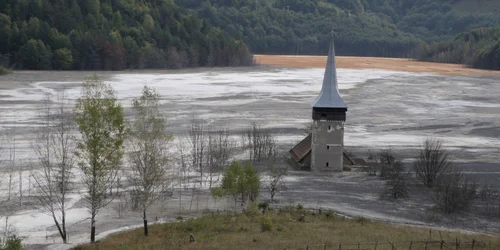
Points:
x=349, y=62
x=388, y=109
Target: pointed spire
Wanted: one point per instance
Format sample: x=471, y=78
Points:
x=329, y=97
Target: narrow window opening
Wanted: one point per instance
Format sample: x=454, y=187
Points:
x=327, y=164
x=329, y=127
x=327, y=147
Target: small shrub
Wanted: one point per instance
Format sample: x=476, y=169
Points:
x=330, y=213
x=397, y=186
x=252, y=209
x=432, y=163
x=4, y=71
x=266, y=223
x=361, y=220
x=217, y=192
x=490, y=201
x=263, y=206
x=180, y=218
x=454, y=194
x=389, y=164
x=12, y=243
x=300, y=207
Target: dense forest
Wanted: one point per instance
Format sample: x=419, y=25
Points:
x=363, y=27
x=391, y=28
x=111, y=35
x=478, y=48
x=118, y=34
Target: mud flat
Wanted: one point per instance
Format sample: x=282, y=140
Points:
x=350, y=62
x=388, y=109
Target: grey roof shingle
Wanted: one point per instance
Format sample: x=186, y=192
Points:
x=329, y=97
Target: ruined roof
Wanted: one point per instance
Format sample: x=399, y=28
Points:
x=302, y=149
x=329, y=97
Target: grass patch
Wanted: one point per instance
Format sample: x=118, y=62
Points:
x=282, y=230
x=4, y=71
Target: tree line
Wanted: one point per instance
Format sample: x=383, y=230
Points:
x=389, y=28
x=115, y=35
x=478, y=48
x=111, y=35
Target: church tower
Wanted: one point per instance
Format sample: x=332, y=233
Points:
x=329, y=115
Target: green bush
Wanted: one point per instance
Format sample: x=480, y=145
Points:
x=4, y=71
x=330, y=213
x=252, y=209
x=264, y=206
x=266, y=223
x=300, y=207
x=12, y=243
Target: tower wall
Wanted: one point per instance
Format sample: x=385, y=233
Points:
x=327, y=145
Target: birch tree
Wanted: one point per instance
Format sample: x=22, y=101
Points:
x=100, y=147
x=54, y=149
x=148, y=159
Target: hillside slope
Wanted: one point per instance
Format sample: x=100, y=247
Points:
x=111, y=35
x=479, y=48
x=363, y=27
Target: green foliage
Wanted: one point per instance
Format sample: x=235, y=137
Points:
x=12, y=243
x=114, y=35
x=239, y=181
x=363, y=27
x=100, y=121
x=330, y=213
x=63, y=59
x=39, y=34
x=266, y=223
x=4, y=71
x=148, y=160
x=479, y=48
x=300, y=207
x=34, y=55
x=217, y=192
x=252, y=209
x=264, y=206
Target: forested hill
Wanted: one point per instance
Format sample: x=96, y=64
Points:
x=363, y=27
x=479, y=48
x=122, y=34
x=111, y=35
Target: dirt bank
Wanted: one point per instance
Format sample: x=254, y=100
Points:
x=396, y=64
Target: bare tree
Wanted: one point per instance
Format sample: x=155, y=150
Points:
x=454, y=193
x=277, y=171
x=54, y=149
x=490, y=200
x=12, y=160
x=262, y=143
x=219, y=150
x=100, y=146
x=198, y=143
x=149, y=161
x=432, y=162
x=122, y=204
x=396, y=186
